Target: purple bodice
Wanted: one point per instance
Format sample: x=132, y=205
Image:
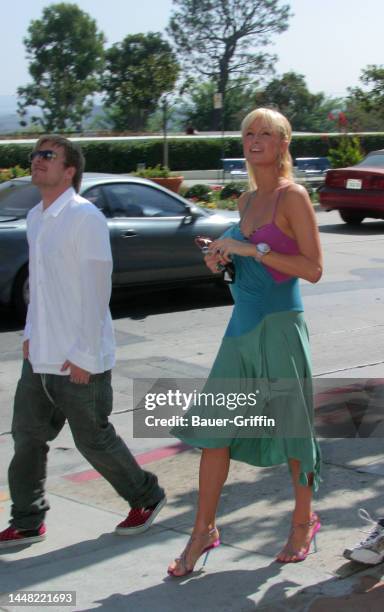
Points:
x=279, y=242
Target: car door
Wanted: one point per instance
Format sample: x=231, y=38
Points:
x=95, y=195
x=151, y=234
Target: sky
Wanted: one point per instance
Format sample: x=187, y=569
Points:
x=329, y=42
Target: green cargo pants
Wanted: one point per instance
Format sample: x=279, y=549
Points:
x=43, y=402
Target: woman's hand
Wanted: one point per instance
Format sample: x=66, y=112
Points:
x=226, y=247
x=213, y=261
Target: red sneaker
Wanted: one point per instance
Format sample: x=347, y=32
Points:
x=15, y=537
x=139, y=519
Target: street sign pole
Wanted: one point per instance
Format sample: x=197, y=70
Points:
x=218, y=103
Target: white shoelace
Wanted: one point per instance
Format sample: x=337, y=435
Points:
x=375, y=531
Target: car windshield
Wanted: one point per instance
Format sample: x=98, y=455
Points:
x=376, y=161
x=17, y=198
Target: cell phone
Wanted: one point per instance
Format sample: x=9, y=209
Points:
x=203, y=244
x=229, y=269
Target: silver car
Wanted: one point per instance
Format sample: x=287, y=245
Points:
x=152, y=233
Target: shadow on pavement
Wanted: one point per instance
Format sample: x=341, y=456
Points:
x=209, y=591
x=134, y=304
x=252, y=533
x=138, y=305
x=370, y=228
x=200, y=591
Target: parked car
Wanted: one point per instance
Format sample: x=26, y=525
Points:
x=235, y=167
x=357, y=191
x=152, y=233
x=311, y=166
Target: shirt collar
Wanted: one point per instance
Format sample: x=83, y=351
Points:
x=57, y=206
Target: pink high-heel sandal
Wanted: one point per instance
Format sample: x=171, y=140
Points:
x=182, y=560
x=301, y=554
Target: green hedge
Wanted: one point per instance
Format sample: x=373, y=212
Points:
x=14, y=155
x=184, y=154
x=318, y=146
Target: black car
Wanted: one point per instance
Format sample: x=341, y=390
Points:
x=152, y=233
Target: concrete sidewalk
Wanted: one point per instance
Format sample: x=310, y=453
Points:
x=109, y=572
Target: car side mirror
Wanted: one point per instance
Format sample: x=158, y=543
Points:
x=189, y=215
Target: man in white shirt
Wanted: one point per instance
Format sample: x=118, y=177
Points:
x=68, y=351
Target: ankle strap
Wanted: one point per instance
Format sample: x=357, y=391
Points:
x=212, y=531
x=312, y=521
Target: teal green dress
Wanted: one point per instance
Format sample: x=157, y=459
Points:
x=265, y=350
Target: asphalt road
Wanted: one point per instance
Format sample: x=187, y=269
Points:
x=177, y=332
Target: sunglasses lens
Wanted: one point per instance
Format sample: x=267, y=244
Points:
x=44, y=154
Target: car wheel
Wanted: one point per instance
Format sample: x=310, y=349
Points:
x=21, y=293
x=351, y=218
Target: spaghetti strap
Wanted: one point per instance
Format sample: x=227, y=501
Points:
x=277, y=199
x=246, y=206
x=247, y=203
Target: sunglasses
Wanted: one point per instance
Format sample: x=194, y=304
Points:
x=46, y=154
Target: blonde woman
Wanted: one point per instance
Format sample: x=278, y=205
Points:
x=275, y=243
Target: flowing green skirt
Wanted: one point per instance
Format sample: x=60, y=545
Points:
x=273, y=362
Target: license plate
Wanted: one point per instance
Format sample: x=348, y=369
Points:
x=353, y=184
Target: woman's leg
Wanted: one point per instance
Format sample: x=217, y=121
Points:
x=214, y=466
x=302, y=517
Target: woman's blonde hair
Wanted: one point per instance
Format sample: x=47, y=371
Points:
x=277, y=123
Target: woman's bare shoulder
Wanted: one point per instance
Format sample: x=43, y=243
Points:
x=296, y=195
x=297, y=205
x=295, y=189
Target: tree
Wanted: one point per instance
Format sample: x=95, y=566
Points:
x=139, y=70
x=372, y=76
x=198, y=110
x=366, y=106
x=290, y=95
x=214, y=38
x=360, y=119
x=66, y=53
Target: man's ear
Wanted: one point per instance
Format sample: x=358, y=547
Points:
x=70, y=172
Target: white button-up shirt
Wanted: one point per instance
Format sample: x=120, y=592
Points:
x=70, y=267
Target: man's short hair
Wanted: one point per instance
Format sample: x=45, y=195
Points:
x=73, y=155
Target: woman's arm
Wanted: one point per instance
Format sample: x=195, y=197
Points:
x=301, y=220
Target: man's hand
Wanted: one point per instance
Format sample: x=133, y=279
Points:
x=76, y=375
x=26, y=349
